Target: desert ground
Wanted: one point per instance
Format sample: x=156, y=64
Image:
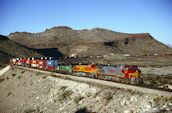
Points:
x=24, y=91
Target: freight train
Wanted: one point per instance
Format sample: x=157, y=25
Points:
x=121, y=73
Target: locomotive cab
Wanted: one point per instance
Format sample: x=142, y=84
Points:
x=133, y=73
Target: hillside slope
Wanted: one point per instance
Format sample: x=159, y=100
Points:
x=24, y=91
x=10, y=49
x=91, y=42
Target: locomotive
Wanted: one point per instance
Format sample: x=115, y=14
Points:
x=120, y=73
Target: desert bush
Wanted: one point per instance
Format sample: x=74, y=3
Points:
x=44, y=77
x=53, y=75
x=62, y=87
x=169, y=99
x=13, y=74
x=1, y=80
x=19, y=77
x=83, y=110
x=38, y=73
x=9, y=93
x=77, y=99
x=108, y=97
x=63, y=94
x=22, y=71
x=88, y=94
x=97, y=93
x=29, y=110
x=160, y=100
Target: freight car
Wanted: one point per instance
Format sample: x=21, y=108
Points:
x=121, y=73
x=65, y=69
x=51, y=64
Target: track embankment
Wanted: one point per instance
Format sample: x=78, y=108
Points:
x=4, y=70
x=104, y=83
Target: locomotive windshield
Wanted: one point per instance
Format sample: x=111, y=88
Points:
x=133, y=68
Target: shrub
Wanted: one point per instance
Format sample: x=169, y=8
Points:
x=63, y=87
x=108, y=97
x=53, y=75
x=19, y=77
x=38, y=73
x=83, y=110
x=44, y=77
x=63, y=94
x=9, y=93
x=29, y=110
x=1, y=80
x=77, y=99
x=13, y=74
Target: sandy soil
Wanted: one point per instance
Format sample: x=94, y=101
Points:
x=165, y=70
x=34, y=92
x=158, y=76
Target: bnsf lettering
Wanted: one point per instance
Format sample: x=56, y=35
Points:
x=112, y=70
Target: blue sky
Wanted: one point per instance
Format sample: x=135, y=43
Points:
x=128, y=16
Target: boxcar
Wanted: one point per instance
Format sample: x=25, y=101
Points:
x=64, y=69
x=11, y=60
x=34, y=63
x=19, y=61
x=51, y=65
x=42, y=64
x=14, y=61
x=28, y=62
x=23, y=62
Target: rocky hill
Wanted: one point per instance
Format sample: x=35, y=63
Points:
x=10, y=49
x=169, y=45
x=96, y=41
x=25, y=91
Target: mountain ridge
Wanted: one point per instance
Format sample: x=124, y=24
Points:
x=9, y=49
x=97, y=41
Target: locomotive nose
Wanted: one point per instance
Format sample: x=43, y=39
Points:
x=139, y=73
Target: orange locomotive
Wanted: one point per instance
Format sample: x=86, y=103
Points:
x=84, y=70
x=129, y=74
x=90, y=68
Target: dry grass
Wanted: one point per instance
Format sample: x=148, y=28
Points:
x=108, y=97
x=38, y=73
x=78, y=99
x=44, y=77
x=19, y=77
x=13, y=74
x=157, y=80
x=29, y=110
x=63, y=94
x=22, y=71
x=7, y=78
x=1, y=80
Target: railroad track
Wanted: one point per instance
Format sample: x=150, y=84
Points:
x=77, y=60
x=137, y=88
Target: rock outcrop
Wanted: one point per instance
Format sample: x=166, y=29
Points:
x=9, y=48
x=91, y=42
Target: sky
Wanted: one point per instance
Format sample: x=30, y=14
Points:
x=127, y=16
